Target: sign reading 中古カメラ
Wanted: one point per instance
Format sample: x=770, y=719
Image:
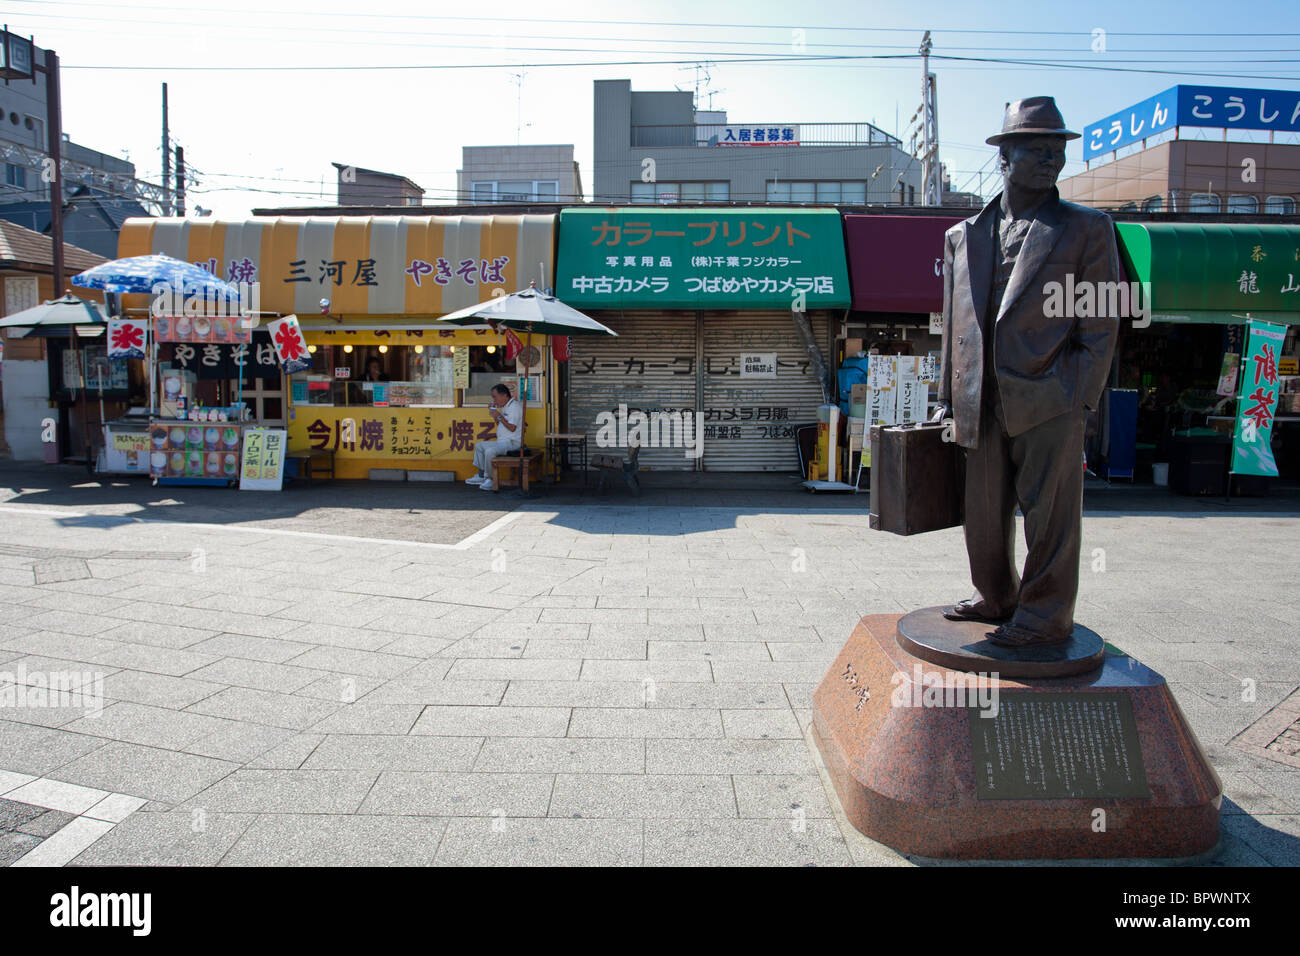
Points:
x=1220, y=107
x=1252, y=436
x=646, y=257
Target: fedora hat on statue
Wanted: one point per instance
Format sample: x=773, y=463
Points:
x=1034, y=116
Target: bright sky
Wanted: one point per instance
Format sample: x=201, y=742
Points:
x=267, y=137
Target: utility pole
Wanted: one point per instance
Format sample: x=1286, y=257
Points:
x=931, y=187
x=54, y=124
x=180, y=180
x=166, y=160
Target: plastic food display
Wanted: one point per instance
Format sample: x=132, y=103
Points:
x=194, y=451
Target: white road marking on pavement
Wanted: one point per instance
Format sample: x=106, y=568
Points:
x=461, y=545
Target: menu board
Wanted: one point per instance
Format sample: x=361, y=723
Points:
x=202, y=329
x=180, y=449
x=263, y=468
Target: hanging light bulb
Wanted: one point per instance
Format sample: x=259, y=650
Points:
x=311, y=349
x=491, y=349
x=348, y=349
x=383, y=349
x=419, y=350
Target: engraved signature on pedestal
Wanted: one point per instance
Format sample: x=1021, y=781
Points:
x=859, y=688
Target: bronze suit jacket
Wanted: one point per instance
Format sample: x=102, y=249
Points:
x=1046, y=366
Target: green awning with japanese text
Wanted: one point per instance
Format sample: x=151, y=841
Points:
x=647, y=257
x=1216, y=272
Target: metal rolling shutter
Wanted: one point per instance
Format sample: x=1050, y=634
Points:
x=757, y=416
x=652, y=365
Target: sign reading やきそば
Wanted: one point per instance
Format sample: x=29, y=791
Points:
x=646, y=257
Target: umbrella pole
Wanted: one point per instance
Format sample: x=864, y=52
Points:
x=523, y=419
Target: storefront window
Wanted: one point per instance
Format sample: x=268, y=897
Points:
x=398, y=376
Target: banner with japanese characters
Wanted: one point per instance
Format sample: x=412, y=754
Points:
x=645, y=257
x=255, y=360
x=126, y=338
x=263, y=460
x=1252, y=451
x=290, y=346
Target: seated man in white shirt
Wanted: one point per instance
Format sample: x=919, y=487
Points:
x=509, y=416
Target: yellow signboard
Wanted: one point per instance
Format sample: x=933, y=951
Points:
x=419, y=439
x=130, y=441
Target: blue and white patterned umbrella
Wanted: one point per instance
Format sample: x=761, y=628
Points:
x=140, y=274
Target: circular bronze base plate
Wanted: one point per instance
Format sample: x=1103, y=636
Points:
x=964, y=646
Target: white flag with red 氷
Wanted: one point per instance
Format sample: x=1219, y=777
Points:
x=126, y=338
x=290, y=346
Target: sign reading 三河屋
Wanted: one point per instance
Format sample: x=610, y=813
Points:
x=1252, y=436
x=643, y=257
x=1220, y=107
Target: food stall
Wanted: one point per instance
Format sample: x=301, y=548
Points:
x=367, y=291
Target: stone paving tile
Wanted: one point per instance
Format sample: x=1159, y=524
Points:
x=295, y=839
x=460, y=794
x=390, y=752
x=158, y=690
x=269, y=649
x=761, y=724
x=781, y=796
x=286, y=791
x=658, y=723
x=157, y=774
x=643, y=796
x=587, y=693
x=143, y=724
x=265, y=707
x=733, y=755
x=567, y=755
x=35, y=750
x=720, y=842
x=237, y=741
x=659, y=671
x=511, y=669
x=548, y=842
x=473, y=721
x=366, y=717
x=157, y=635
x=184, y=837
x=417, y=690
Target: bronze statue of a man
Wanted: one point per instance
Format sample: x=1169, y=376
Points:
x=1019, y=379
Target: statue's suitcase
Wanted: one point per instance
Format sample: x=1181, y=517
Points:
x=917, y=478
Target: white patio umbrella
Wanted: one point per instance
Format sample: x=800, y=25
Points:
x=529, y=310
x=68, y=316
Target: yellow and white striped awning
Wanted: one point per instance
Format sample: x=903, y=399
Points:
x=407, y=266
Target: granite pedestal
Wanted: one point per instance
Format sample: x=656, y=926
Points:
x=955, y=758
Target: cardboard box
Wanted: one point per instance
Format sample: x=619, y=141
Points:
x=853, y=347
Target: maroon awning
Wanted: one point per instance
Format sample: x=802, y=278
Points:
x=896, y=262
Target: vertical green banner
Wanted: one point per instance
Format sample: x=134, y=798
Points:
x=1252, y=436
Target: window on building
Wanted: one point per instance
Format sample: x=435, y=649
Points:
x=515, y=190
x=1243, y=204
x=1203, y=202
x=1153, y=204
x=911, y=195
x=680, y=192
x=1279, y=206
x=795, y=191
x=15, y=176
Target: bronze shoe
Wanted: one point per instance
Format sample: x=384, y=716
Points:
x=977, y=611
x=1012, y=635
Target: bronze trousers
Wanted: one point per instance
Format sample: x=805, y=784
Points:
x=1042, y=472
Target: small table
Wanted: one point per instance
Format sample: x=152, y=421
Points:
x=307, y=458
x=560, y=444
x=532, y=461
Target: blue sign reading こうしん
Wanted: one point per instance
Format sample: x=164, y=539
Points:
x=1220, y=107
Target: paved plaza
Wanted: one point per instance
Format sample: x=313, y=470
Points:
x=361, y=675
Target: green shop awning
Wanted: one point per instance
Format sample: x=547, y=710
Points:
x=648, y=257
x=1215, y=272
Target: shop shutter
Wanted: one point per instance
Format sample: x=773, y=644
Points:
x=652, y=365
x=757, y=416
